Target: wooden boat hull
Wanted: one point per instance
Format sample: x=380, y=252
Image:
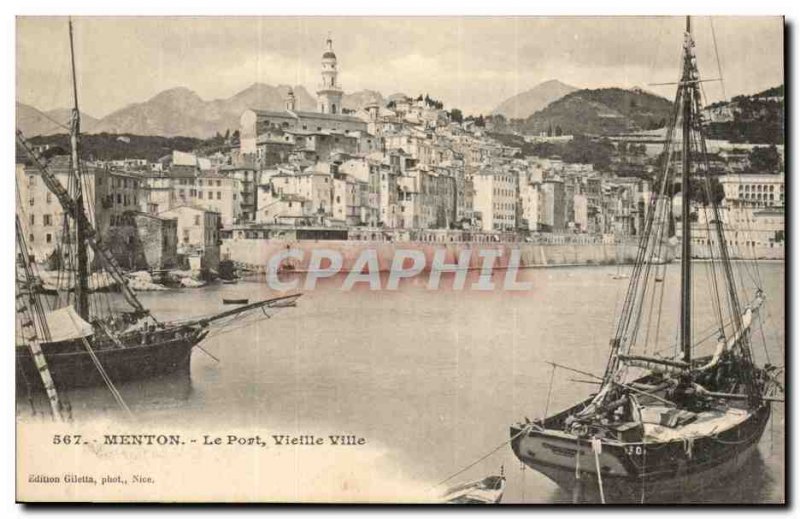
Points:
x=72, y=366
x=636, y=471
x=487, y=491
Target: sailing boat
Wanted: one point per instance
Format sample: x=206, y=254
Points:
x=85, y=342
x=662, y=424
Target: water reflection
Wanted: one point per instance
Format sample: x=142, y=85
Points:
x=151, y=396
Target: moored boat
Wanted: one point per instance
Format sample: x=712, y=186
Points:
x=666, y=421
x=73, y=334
x=486, y=491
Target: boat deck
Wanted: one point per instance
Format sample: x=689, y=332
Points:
x=704, y=423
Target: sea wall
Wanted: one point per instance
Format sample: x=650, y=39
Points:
x=257, y=253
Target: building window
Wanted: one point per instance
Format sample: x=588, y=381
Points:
x=219, y=195
x=33, y=219
x=49, y=238
x=48, y=220
x=219, y=183
x=30, y=237
x=197, y=219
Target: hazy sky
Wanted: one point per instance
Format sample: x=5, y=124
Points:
x=471, y=63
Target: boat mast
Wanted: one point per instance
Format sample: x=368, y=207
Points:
x=82, y=274
x=686, y=241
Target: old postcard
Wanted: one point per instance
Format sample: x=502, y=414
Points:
x=455, y=260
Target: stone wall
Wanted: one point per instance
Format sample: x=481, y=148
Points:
x=256, y=253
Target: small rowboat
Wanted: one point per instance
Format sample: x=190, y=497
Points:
x=487, y=491
x=226, y=301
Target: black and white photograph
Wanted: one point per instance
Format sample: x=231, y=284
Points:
x=469, y=260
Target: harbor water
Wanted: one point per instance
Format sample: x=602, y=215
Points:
x=431, y=379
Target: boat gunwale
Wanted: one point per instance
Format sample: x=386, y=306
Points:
x=618, y=449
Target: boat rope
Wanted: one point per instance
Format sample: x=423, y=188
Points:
x=549, y=392
x=576, y=490
x=716, y=53
x=206, y=352
x=112, y=388
x=524, y=430
x=597, y=447
x=688, y=447
x=643, y=471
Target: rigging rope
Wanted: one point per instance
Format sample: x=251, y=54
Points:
x=451, y=476
x=111, y=387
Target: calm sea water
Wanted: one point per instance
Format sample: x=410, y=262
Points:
x=434, y=378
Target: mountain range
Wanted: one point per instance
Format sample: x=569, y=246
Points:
x=526, y=103
x=180, y=112
x=34, y=122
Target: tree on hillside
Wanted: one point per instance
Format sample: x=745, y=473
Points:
x=456, y=115
x=584, y=150
x=765, y=159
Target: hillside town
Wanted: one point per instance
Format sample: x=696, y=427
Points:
x=406, y=170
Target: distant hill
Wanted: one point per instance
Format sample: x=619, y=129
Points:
x=604, y=111
x=35, y=122
x=526, y=103
x=397, y=96
x=771, y=92
x=754, y=119
x=180, y=111
x=64, y=116
x=356, y=100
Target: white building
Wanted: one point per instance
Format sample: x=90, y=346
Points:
x=753, y=190
x=495, y=197
x=529, y=196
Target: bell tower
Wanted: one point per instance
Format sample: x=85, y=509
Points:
x=330, y=92
x=290, y=100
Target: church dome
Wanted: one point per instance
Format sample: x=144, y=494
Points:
x=329, y=55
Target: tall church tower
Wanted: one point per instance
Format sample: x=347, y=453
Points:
x=330, y=93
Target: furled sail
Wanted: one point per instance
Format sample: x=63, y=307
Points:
x=65, y=324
